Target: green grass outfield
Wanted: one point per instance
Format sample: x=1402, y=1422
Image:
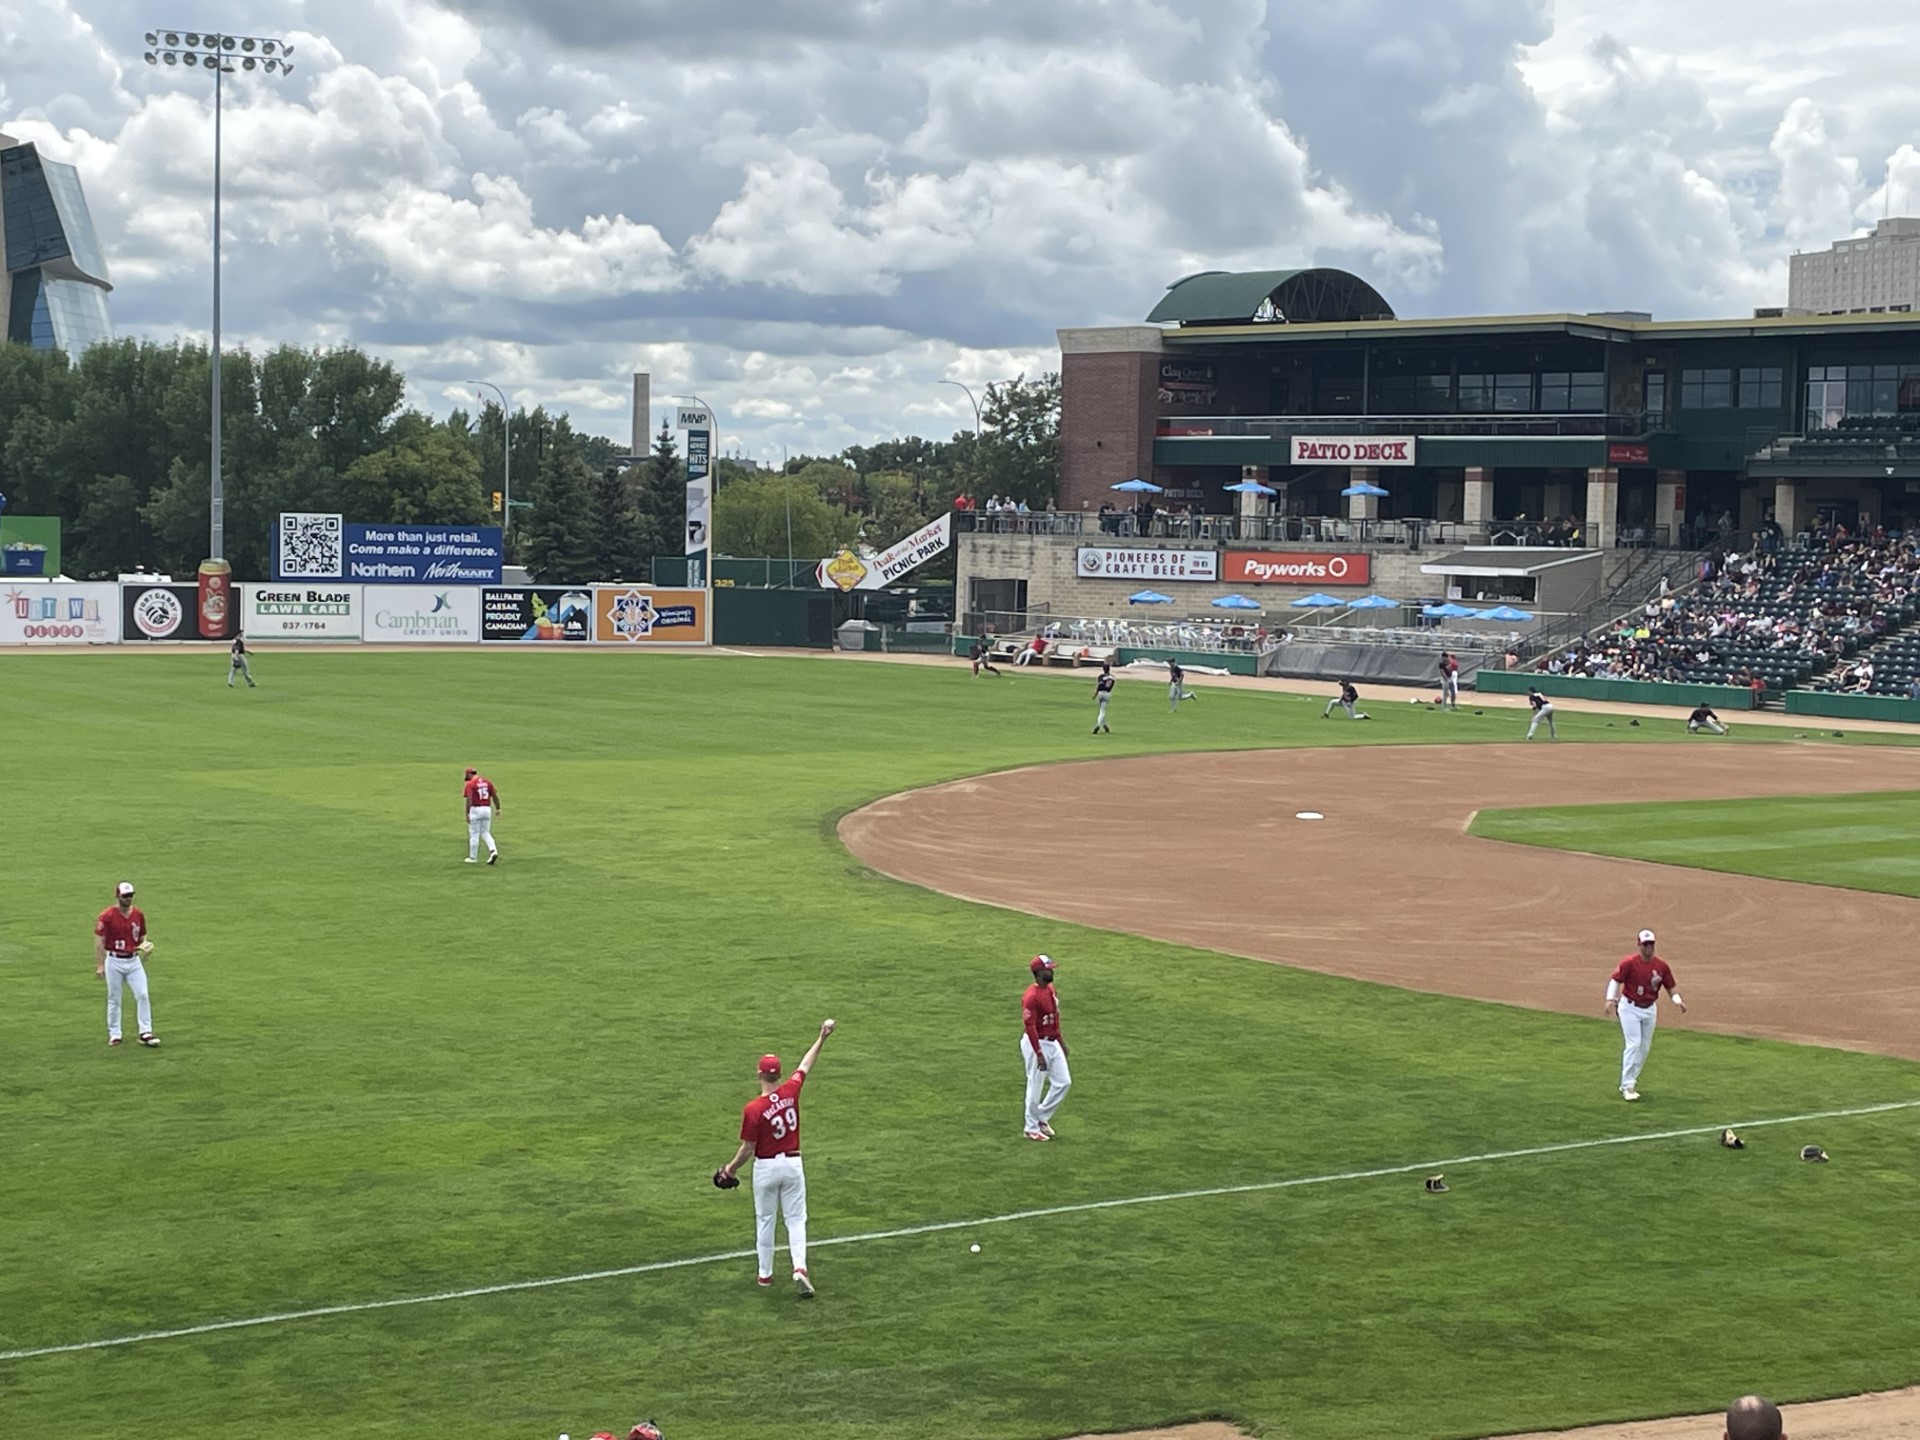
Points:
x=1859, y=842
x=387, y=1074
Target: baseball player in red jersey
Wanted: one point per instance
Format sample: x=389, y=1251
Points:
x=1042, y=1050
x=1633, y=992
x=119, y=945
x=481, y=802
x=770, y=1133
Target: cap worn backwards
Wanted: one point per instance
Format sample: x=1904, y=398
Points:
x=1039, y=963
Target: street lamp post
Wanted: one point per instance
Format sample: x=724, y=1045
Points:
x=976, y=406
x=506, y=460
x=223, y=54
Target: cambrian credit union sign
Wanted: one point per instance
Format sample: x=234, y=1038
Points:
x=1353, y=449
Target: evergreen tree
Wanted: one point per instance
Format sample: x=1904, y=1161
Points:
x=662, y=501
x=622, y=546
x=558, y=541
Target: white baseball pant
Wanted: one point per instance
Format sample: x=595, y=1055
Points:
x=1545, y=712
x=1046, y=1072
x=1636, y=1025
x=127, y=970
x=779, y=1189
x=1100, y=714
x=479, y=827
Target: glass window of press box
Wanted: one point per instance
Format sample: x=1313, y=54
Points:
x=1751, y=387
x=1838, y=392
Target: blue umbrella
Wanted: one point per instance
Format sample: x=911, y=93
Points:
x=1373, y=602
x=1149, y=597
x=1503, y=612
x=1251, y=487
x=1137, y=486
x=1365, y=487
x=1316, y=601
x=1447, y=611
x=1235, y=602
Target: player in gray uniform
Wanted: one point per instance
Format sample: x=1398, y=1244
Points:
x=1177, y=686
x=1542, y=710
x=1346, y=700
x=1703, y=718
x=238, y=664
x=1102, y=692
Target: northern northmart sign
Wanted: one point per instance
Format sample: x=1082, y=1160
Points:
x=1353, y=449
x=1135, y=563
x=1294, y=567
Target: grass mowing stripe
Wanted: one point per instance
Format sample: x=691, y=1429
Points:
x=940, y=1226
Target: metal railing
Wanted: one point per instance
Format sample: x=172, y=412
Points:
x=1299, y=529
x=1283, y=427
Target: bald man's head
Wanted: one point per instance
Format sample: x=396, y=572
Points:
x=1751, y=1418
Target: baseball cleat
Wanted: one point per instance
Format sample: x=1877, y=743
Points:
x=472, y=861
x=1046, y=1129
x=802, y=1286
x=1629, y=1094
x=1038, y=1135
x=494, y=858
x=113, y=1040
x=763, y=1281
x=150, y=1040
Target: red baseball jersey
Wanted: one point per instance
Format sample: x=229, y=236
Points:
x=772, y=1122
x=123, y=933
x=480, y=793
x=1641, y=979
x=1040, y=1014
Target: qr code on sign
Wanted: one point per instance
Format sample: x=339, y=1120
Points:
x=309, y=547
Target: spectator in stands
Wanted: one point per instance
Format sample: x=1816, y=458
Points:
x=1752, y=1418
x=1913, y=688
x=1703, y=718
x=1030, y=654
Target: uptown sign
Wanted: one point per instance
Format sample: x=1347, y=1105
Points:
x=1353, y=449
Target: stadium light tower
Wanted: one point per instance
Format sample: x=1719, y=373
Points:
x=223, y=54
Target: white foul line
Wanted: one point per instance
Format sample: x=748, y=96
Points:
x=935, y=1228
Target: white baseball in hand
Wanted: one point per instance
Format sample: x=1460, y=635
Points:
x=826, y=1027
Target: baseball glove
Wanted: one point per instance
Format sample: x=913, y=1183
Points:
x=723, y=1181
x=1436, y=1184
x=1813, y=1152
x=145, y=947
x=1732, y=1141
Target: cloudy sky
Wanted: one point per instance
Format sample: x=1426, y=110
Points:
x=813, y=212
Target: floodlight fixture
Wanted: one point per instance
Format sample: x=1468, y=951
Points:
x=218, y=52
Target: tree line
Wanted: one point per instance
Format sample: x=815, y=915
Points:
x=117, y=446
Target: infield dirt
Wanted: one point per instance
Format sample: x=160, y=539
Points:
x=1370, y=890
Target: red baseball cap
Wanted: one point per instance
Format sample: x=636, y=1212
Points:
x=1039, y=963
x=770, y=1065
x=471, y=772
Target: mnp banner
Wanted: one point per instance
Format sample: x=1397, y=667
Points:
x=642, y=615
x=698, y=424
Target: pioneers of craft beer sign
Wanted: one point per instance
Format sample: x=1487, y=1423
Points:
x=1353, y=449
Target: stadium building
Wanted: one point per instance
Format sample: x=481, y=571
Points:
x=55, y=296
x=1548, y=458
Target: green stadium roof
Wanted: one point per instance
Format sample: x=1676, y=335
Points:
x=1220, y=297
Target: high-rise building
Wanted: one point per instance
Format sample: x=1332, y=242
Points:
x=55, y=297
x=1873, y=274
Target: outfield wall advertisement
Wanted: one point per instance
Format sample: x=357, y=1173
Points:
x=162, y=612
x=310, y=545
x=300, y=612
x=642, y=615
x=536, y=613
x=420, y=615
x=59, y=613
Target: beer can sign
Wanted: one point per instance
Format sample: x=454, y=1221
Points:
x=216, y=599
